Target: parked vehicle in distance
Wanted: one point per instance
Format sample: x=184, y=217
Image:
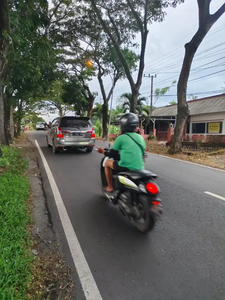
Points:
x=71, y=132
x=40, y=126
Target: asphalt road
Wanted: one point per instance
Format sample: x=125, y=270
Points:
x=182, y=259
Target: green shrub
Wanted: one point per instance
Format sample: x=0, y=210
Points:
x=151, y=137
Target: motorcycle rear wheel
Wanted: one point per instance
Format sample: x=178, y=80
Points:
x=147, y=222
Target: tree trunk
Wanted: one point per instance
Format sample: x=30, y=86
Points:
x=133, y=105
x=60, y=111
x=18, y=124
x=182, y=106
x=4, y=24
x=11, y=124
x=3, y=139
x=104, y=120
x=91, y=100
x=206, y=21
x=7, y=117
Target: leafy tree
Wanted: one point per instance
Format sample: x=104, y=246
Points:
x=90, y=53
x=116, y=111
x=32, y=118
x=162, y=91
x=206, y=21
x=4, y=31
x=193, y=97
x=53, y=98
x=73, y=95
x=67, y=29
x=109, y=64
x=122, y=20
x=173, y=102
x=29, y=71
x=97, y=111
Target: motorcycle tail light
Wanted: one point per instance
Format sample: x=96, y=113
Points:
x=155, y=203
x=152, y=188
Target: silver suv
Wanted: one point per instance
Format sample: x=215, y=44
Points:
x=71, y=132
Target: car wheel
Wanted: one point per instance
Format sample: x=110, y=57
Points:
x=47, y=142
x=89, y=150
x=55, y=149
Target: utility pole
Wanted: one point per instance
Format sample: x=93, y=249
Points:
x=152, y=77
x=110, y=117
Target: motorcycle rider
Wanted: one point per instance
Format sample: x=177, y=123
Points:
x=131, y=147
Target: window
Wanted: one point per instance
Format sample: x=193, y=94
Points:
x=207, y=127
x=214, y=127
x=75, y=123
x=55, y=122
x=187, y=127
x=198, y=127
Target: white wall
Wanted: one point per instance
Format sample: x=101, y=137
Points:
x=208, y=117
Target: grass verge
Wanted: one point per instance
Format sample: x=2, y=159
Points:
x=215, y=159
x=15, y=241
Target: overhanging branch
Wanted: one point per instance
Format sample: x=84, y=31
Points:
x=218, y=13
x=117, y=48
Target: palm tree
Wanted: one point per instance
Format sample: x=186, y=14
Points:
x=97, y=111
x=127, y=99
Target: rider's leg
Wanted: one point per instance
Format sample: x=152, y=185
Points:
x=108, y=175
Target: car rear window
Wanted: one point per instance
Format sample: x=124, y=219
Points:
x=75, y=123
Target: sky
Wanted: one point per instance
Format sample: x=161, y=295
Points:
x=165, y=53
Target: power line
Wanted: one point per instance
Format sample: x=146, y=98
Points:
x=207, y=75
x=161, y=58
x=209, y=63
x=189, y=94
x=177, y=63
x=164, y=56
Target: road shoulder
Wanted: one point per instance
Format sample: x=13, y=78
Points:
x=51, y=277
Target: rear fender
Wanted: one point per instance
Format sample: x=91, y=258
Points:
x=153, y=203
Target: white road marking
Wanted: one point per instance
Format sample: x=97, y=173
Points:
x=88, y=283
x=215, y=195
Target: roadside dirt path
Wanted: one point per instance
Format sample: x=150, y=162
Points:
x=51, y=277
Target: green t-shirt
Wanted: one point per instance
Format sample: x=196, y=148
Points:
x=131, y=156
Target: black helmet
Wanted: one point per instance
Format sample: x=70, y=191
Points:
x=129, y=122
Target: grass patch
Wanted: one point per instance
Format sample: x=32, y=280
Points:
x=15, y=253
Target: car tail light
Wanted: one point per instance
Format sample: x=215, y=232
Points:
x=92, y=132
x=59, y=133
x=152, y=188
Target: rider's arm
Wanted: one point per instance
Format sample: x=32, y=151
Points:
x=117, y=143
x=114, y=152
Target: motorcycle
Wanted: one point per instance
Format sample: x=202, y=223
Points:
x=135, y=194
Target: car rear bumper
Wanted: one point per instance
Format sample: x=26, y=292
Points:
x=80, y=144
